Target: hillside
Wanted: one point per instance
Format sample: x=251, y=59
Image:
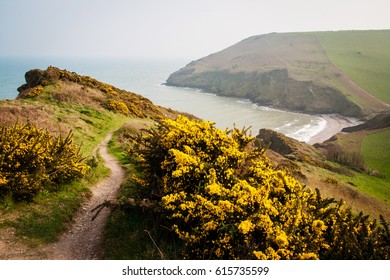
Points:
x=295, y=71
x=59, y=101
x=316, y=167
x=367, y=145
x=164, y=153
x=79, y=111
x=363, y=56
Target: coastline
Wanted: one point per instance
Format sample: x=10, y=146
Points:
x=334, y=124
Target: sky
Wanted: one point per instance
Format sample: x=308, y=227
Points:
x=168, y=28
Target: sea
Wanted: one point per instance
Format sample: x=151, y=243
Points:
x=147, y=77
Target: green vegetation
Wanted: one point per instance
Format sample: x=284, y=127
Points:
x=362, y=55
x=366, y=152
x=373, y=186
x=91, y=125
x=130, y=232
x=42, y=220
x=67, y=111
x=376, y=153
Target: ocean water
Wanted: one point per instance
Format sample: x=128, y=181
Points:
x=146, y=77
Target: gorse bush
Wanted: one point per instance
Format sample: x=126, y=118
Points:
x=223, y=200
x=118, y=106
x=32, y=160
x=36, y=91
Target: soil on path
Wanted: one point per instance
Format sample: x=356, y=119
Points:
x=84, y=239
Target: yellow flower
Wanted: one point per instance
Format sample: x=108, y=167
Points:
x=260, y=255
x=246, y=226
x=3, y=180
x=319, y=226
x=214, y=189
x=226, y=205
x=282, y=239
x=210, y=225
x=308, y=256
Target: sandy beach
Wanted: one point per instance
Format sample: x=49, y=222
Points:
x=334, y=124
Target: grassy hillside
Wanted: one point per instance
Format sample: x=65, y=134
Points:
x=376, y=152
x=363, y=55
x=58, y=101
x=366, y=151
x=300, y=71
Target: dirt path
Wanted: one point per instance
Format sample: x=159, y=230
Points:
x=83, y=240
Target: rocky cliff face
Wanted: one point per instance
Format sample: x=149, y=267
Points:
x=274, y=89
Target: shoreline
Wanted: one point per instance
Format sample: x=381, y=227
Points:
x=334, y=124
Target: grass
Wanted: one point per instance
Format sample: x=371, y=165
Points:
x=376, y=152
x=66, y=105
x=372, y=185
x=89, y=124
x=376, y=155
x=132, y=234
x=366, y=63
x=42, y=220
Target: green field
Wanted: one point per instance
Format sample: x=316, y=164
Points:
x=365, y=63
x=376, y=152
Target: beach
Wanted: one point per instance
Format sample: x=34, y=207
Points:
x=334, y=124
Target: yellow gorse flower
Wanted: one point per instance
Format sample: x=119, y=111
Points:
x=246, y=226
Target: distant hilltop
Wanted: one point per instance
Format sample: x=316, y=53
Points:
x=344, y=72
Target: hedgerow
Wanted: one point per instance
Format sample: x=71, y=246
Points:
x=223, y=199
x=32, y=160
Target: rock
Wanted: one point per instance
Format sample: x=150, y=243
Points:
x=34, y=77
x=274, y=141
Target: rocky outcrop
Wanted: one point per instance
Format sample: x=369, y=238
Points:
x=77, y=89
x=33, y=78
x=275, y=141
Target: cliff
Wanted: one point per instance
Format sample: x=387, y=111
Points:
x=289, y=71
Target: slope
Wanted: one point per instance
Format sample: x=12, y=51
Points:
x=363, y=56
x=59, y=101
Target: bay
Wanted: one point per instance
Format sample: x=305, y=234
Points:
x=146, y=77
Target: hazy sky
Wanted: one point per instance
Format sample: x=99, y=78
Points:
x=168, y=28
